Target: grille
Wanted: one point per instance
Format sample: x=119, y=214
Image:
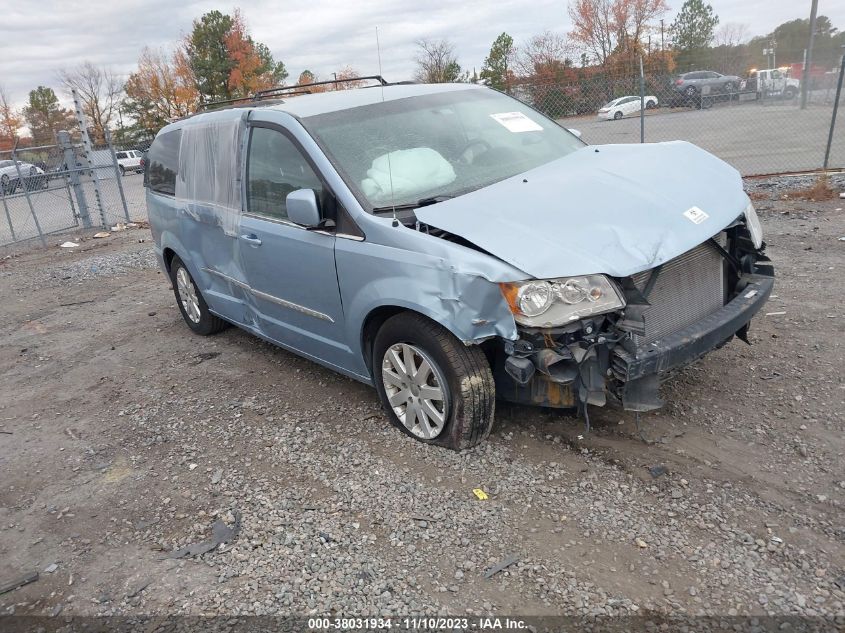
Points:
x=688, y=288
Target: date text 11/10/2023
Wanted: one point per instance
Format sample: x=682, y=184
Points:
x=417, y=624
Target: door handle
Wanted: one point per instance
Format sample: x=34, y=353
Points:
x=251, y=239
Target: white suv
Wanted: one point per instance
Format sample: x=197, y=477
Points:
x=129, y=160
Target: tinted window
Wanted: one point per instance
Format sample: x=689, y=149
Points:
x=120, y=155
x=275, y=168
x=163, y=163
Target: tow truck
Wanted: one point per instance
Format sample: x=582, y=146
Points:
x=770, y=82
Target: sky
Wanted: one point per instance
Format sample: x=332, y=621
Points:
x=39, y=38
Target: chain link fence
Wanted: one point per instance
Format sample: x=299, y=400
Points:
x=53, y=188
x=755, y=123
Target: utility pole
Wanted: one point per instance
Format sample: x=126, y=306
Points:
x=835, y=109
x=808, y=59
x=661, y=35
x=774, y=54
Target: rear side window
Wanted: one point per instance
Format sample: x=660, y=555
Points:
x=163, y=163
x=120, y=155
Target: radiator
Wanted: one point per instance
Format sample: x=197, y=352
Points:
x=688, y=288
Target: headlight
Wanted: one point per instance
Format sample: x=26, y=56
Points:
x=753, y=224
x=553, y=302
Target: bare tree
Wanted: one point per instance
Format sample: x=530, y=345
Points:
x=99, y=90
x=730, y=53
x=544, y=56
x=437, y=63
x=731, y=34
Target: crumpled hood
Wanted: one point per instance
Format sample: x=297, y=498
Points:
x=612, y=209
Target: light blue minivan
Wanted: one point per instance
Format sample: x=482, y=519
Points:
x=449, y=245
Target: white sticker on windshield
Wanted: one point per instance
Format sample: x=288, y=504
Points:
x=695, y=215
x=517, y=122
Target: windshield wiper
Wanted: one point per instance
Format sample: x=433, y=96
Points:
x=422, y=202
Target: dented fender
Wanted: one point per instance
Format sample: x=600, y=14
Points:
x=462, y=297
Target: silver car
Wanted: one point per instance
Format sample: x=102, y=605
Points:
x=11, y=175
x=694, y=84
x=449, y=245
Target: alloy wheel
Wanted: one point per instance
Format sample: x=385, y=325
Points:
x=188, y=295
x=415, y=389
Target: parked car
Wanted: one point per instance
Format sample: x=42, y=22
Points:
x=130, y=160
x=10, y=180
x=622, y=106
x=691, y=86
x=449, y=245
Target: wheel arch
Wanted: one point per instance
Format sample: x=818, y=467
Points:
x=167, y=255
x=377, y=317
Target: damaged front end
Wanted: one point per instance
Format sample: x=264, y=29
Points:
x=671, y=315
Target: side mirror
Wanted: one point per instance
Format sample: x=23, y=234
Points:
x=574, y=131
x=302, y=207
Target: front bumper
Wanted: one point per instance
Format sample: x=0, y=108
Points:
x=687, y=345
x=594, y=364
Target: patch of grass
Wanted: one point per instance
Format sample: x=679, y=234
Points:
x=820, y=190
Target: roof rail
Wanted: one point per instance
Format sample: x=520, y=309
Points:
x=273, y=91
x=243, y=102
x=223, y=102
x=280, y=91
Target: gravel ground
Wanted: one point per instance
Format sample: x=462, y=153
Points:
x=123, y=438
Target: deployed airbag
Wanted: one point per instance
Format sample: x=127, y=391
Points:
x=412, y=171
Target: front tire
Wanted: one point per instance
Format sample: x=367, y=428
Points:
x=122, y=170
x=191, y=303
x=433, y=387
x=617, y=115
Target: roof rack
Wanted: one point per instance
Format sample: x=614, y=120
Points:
x=273, y=91
x=281, y=91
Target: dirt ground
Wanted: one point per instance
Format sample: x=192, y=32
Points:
x=124, y=437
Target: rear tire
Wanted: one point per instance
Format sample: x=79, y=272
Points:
x=191, y=303
x=460, y=372
x=122, y=170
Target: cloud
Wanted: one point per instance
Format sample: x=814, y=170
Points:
x=321, y=35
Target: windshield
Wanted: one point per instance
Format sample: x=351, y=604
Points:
x=405, y=152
